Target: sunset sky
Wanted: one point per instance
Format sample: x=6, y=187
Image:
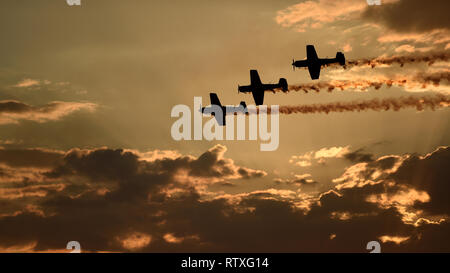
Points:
x=86, y=152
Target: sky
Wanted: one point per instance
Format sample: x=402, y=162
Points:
x=87, y=155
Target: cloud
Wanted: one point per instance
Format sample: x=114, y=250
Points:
x=416, y=170
x=12, y=111
x=375, y=199
x=359, y=156
x=319, y=156
x=407, y=175
x=313, y=14
x=117, y=178
x=135, y=241
x=405, y=48
x=413, y=21
x=395, y=239
x=299, y=179
x=432, y=38
x=9, y=142
x=347, y=48
x=27, y=83
x=411, y=48
x=36, y=157
x=337, y=152
x=213, y=164
x=410, y=15
x=167, y=173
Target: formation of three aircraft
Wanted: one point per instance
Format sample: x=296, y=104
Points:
x=257, y=88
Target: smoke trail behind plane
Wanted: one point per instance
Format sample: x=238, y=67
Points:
x=426, y=57
x=420, y=103
x=422, y=80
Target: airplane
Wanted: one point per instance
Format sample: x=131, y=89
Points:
x=314, y=63
x=226, y=110
x=257, y=88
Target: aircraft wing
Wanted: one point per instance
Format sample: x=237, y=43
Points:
x=258, y=96
x=311, y=53
x=254, y=78
x=314, y=71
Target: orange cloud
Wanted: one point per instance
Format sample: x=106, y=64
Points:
x=394, y=239
x=13, y=111
x=319, y=156
x=347, y=48
x=313, y=14
x=135, y=241
x=27, y=83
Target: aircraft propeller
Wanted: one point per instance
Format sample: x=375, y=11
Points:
x=293, y=65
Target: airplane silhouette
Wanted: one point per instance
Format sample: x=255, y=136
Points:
x=314, y=63
x=226, y=110
x=257, y=88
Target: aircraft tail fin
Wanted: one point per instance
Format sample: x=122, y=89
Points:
x=340, y=58
x=214, y=99
x=283, y=84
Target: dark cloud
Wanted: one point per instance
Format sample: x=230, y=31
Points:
x=304, y=181
x=14, y=111
x=359, y=156
x=431, y=174
x=100, y=164
x=410, y=15
x=385, y=162
x=30, y=157
x=14, y=107
x=299, y=180
x=146, y=206
x=210, y=164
